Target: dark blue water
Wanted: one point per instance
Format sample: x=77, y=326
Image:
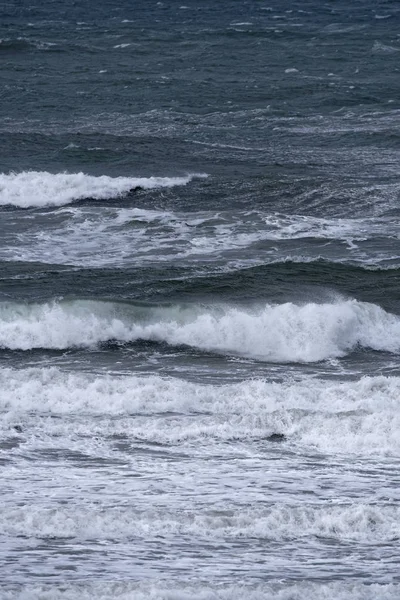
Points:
x=199, y=300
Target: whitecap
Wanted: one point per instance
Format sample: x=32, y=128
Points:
x=359, y=522
x=360, y=417
x=204, y=590
x=276, y=333
x=39, y=188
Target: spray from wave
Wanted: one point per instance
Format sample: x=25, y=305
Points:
x=277, y=333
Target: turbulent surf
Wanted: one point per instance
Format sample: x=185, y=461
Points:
x=199, y=300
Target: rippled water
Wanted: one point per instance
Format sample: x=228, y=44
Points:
x=199, y=300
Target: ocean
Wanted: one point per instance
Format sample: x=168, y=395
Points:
x=199, y=300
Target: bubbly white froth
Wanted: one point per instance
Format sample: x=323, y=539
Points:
x=40, y=189
x=165, y=590
x=111, y=235
x=277, y=333
x=154, y=409
x=350, y=522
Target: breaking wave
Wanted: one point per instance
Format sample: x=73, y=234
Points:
x=356, y=417
x=342, y=522
x=40, y=189
x=166, y=590
x=277, y=333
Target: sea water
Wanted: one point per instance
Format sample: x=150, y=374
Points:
x=199, y=300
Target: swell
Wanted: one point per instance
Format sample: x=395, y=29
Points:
x=300, y=279
x=23, y=44
x=277, y=282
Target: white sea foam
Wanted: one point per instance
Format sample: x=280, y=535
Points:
x=277, y=333
x=356, y=522
x=165, y=590
x=37, y=188
x=281, y=226
x=108, y=236
x=356, y=417
x=379, y=48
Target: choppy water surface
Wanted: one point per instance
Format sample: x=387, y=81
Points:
x=199, y=300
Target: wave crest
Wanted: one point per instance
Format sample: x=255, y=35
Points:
x=277, y=333
x=40, y=189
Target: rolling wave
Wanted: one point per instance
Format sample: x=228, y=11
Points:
x=277, y=333
x=206, y=590
x=355, y=417
x=41, y=189
x=20, y=44
x=342, y=522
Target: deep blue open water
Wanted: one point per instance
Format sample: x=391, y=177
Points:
x=199, y=300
